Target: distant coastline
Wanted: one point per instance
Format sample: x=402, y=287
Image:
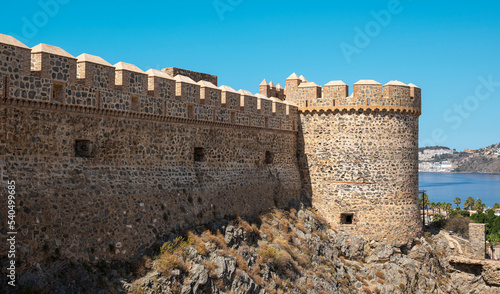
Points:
x=441, y=159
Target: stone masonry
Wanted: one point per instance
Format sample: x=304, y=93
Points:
x=358, y=155
x=107, y=158
x=477, y=237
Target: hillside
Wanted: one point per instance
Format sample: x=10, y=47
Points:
x=484, y=160
x=296, y=252
x=292, y=251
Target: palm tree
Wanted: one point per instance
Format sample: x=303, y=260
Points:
x=439, y=205
x=457, y=201
x=496, y=205
x=433, y=206
x=424, y=202
x=479, y=205
x=469, y=203
x=448, y=207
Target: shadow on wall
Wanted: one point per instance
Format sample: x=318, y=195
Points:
x=305, y=177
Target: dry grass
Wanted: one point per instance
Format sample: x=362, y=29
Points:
x=267, y=253
x=268, y=231
x=380, y=274
x=197, y=243
x=300, y=225
x=247, y=228
x=211, y=266
x=402, y=287
x=284, y=225
x=167, y=262
x=255, y=275
x=219, y=283
x=218, y=239
x=282, y=259
x=358, y=277
x=255, y=229
x=240, y=261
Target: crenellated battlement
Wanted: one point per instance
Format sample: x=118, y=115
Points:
x=49, y=74
x=367, y=95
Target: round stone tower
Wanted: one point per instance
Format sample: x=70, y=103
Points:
x=359, y=155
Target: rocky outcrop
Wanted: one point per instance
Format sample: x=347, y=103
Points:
x=291, y=251
x=296, y=252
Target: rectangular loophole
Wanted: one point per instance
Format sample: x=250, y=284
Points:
x=83, y=148
x=233, y=117
x=347, y=218
x=199, y=154
x=135, y=104
x=266, y=122
x=269, y=158
x=190, y=111
x=57, y=93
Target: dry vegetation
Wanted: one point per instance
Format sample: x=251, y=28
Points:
x=281, y=252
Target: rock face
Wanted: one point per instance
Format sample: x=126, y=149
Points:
x=290, y=251
x=296, y=252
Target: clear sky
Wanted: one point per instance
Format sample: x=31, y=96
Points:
x=448, y=48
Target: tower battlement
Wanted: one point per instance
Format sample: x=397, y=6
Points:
x=367, y=95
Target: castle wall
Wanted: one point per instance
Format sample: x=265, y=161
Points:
x=103, y=170
x=140, y=182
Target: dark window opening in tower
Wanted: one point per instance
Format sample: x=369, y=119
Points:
x=346, y=218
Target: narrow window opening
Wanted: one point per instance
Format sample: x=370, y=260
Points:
x=269, y=157
x=199, y=154
x=83, y=148
x=135, y=104
x=57, y=93
x=347, y=218
x=293, y=125
x=233, y=117
x=266, y=122
x=190, y=111
x=5, y=86
x=333, y=102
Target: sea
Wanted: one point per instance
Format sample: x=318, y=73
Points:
x=444, y=187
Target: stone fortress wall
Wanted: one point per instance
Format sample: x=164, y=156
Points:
x=359, y=155
x=108, y=158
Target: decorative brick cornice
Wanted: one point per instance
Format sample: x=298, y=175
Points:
x=364, y=108
x=126, y=114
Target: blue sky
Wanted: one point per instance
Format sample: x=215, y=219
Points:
x=448, y=48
